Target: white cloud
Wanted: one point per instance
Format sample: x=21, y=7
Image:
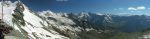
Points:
x=137, y=8
x=132, y=8
x=141, y=8
x=62, y=0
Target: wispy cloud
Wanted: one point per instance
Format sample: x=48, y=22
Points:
x=119, y=9
x=148, y=8
x=137, y=8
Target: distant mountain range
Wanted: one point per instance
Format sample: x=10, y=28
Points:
x=85, y=25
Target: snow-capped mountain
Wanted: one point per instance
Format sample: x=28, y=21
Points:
x=85, y=25
x=46, y=25
x=27, y=24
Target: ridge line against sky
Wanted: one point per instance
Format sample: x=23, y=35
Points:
x=96, y=6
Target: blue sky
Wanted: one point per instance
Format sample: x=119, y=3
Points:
x=96, y=6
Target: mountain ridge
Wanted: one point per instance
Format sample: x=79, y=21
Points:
x=86, y=25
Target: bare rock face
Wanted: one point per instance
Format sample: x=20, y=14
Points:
x=18, y=14
x=5, y=28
